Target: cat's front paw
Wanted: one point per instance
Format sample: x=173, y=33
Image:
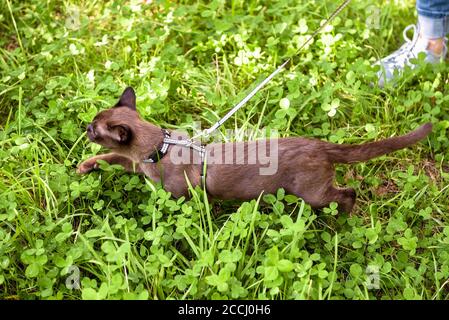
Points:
x=87, y=166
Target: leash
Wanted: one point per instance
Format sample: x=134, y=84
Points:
x=201, y=149
x=271, y=76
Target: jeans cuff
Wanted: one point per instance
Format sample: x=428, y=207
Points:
x=432, y=28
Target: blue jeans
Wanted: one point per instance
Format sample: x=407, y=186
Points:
x=433, y=18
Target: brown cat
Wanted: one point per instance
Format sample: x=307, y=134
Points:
x=303, y=167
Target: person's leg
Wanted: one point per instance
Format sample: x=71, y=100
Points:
x=429, y=38
x=433, y=19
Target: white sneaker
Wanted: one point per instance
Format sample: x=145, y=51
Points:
x=409, y=50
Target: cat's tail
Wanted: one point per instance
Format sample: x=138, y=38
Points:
x=345, y=153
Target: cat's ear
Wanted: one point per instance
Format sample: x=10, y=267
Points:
x=127, y=99
x=121, y=133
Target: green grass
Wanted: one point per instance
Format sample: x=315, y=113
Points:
x=190, y=62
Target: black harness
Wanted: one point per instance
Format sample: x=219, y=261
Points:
x=162, y=150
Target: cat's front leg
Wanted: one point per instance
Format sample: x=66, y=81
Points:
x=111, y=158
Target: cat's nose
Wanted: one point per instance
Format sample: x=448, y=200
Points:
x=90, y=132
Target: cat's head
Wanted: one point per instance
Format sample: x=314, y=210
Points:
x=120, y=128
